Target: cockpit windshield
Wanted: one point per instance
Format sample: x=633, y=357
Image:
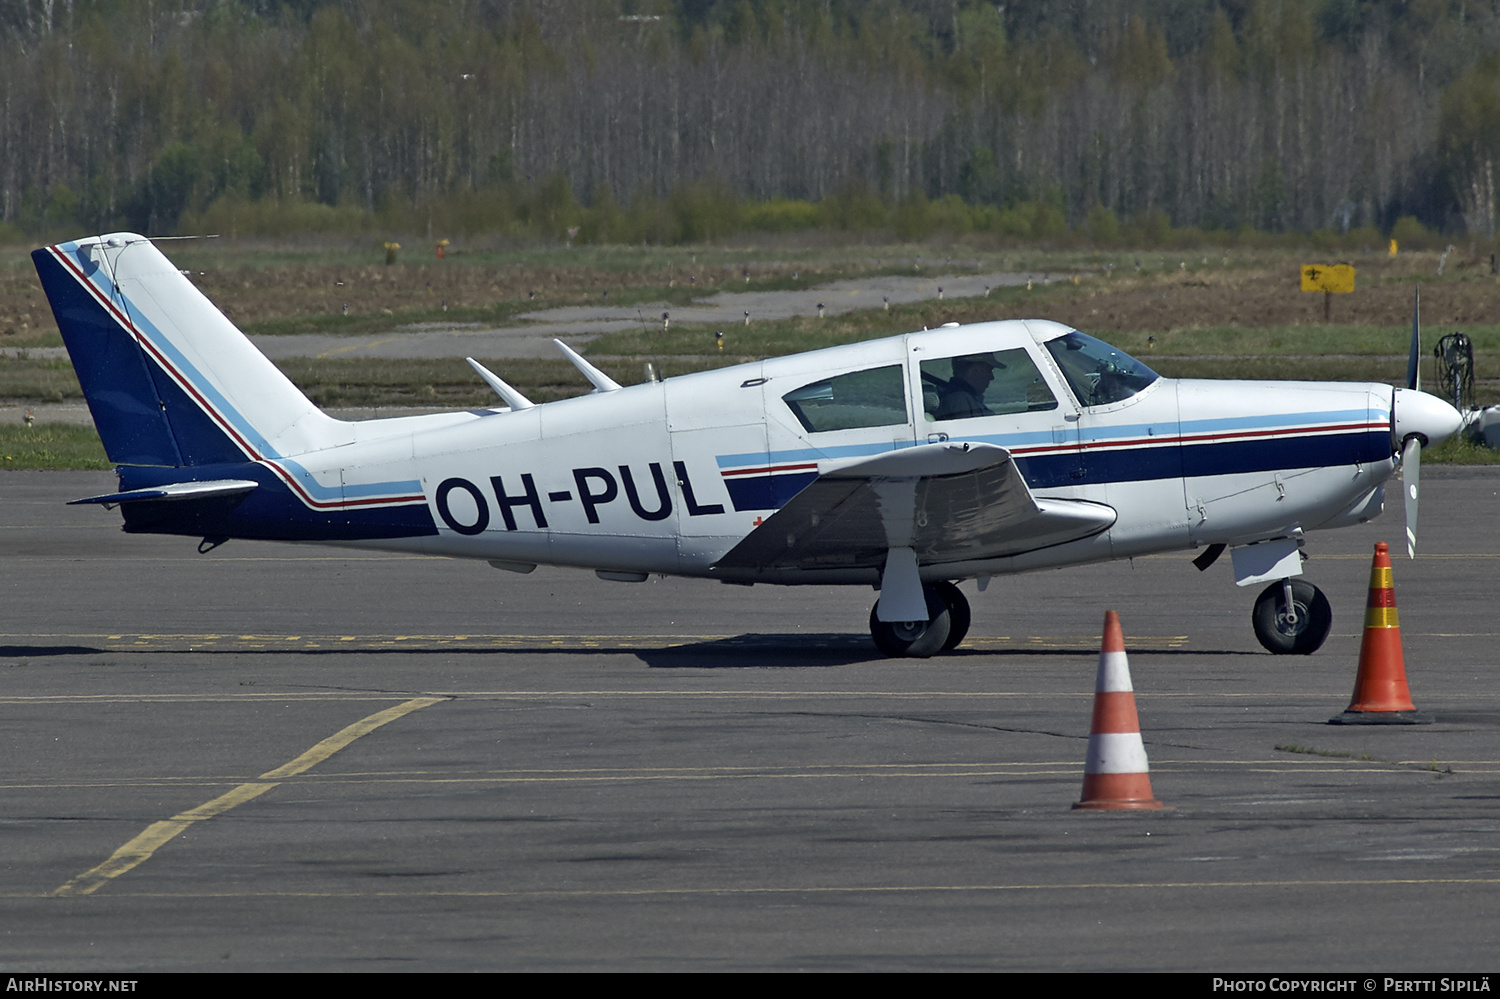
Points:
x=1096, y=372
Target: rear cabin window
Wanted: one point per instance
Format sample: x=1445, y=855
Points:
x=993, y=383
x=871, y=398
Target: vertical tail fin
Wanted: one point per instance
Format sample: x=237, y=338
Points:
x=168, y=378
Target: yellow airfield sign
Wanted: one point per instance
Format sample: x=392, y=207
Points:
x=1328, y=278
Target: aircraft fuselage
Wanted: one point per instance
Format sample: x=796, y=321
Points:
x=908, y=462
x=665, y=477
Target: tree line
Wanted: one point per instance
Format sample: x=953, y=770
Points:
x=688, y=119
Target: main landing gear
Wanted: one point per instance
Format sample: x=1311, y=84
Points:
x=946, y=625
x=1292, y=617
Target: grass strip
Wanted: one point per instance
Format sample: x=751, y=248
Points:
x=51, y=446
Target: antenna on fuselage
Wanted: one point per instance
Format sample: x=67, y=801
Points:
x=600, y=380
x=513, y=399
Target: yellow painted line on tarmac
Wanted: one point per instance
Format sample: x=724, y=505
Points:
x=140, y=849
x=1069, y=768
x=357, y=346
x=206, y=698
x=707, y=695
x=126, y=641
x=875, y=889
x=339, y=740
x=1138, y=642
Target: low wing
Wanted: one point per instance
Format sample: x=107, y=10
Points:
x=949, y=502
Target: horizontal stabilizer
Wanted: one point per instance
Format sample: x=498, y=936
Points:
x=948, y=502
x=174, y=491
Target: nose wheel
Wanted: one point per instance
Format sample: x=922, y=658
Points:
x=1292, y=618
x=946, y=625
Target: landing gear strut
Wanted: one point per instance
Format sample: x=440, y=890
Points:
x=946, y=625
x=1292, y=617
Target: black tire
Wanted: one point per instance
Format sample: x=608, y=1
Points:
x=1306, y=636
x=913, y=639
x=959, y=617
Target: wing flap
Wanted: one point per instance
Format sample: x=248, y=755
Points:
x=950, y=502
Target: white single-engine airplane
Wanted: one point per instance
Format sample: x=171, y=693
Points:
x=908, y=463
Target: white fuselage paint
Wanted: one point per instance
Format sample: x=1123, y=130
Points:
x=643, y=478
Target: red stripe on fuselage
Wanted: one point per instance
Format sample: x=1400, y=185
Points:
x=772, y=469
x=1221, y=438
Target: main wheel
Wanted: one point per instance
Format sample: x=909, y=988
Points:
x=914, y=639
x=958, y=612
x=1284, y=634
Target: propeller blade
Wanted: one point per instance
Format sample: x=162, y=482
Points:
x=1411, y=471
x=1416, y=339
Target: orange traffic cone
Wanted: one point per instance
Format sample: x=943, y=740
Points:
x=1381, y=696
x=1116, y=775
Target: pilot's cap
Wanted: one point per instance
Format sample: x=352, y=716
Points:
x=987, y=360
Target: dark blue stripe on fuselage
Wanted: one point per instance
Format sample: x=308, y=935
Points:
x=1356, y=447
x=270, y=512
x=766, y=492
x=1209, y=458
x=1169, y=461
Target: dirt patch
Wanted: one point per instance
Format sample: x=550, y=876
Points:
x=24, y=312
x=250, y=295
x=1203, y=294
x=254, y=295
x=1270, y=298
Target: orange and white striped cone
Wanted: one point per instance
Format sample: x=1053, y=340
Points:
x=1381, y=696
x=1116, y=775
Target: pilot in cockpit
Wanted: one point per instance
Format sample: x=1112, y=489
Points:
x=963, y=395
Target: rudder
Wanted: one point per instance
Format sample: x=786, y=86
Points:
x=168, y=378
x=112, y=371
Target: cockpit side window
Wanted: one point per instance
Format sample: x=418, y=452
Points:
x=985, y=384
x=1096, y=372
x=874, y=397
